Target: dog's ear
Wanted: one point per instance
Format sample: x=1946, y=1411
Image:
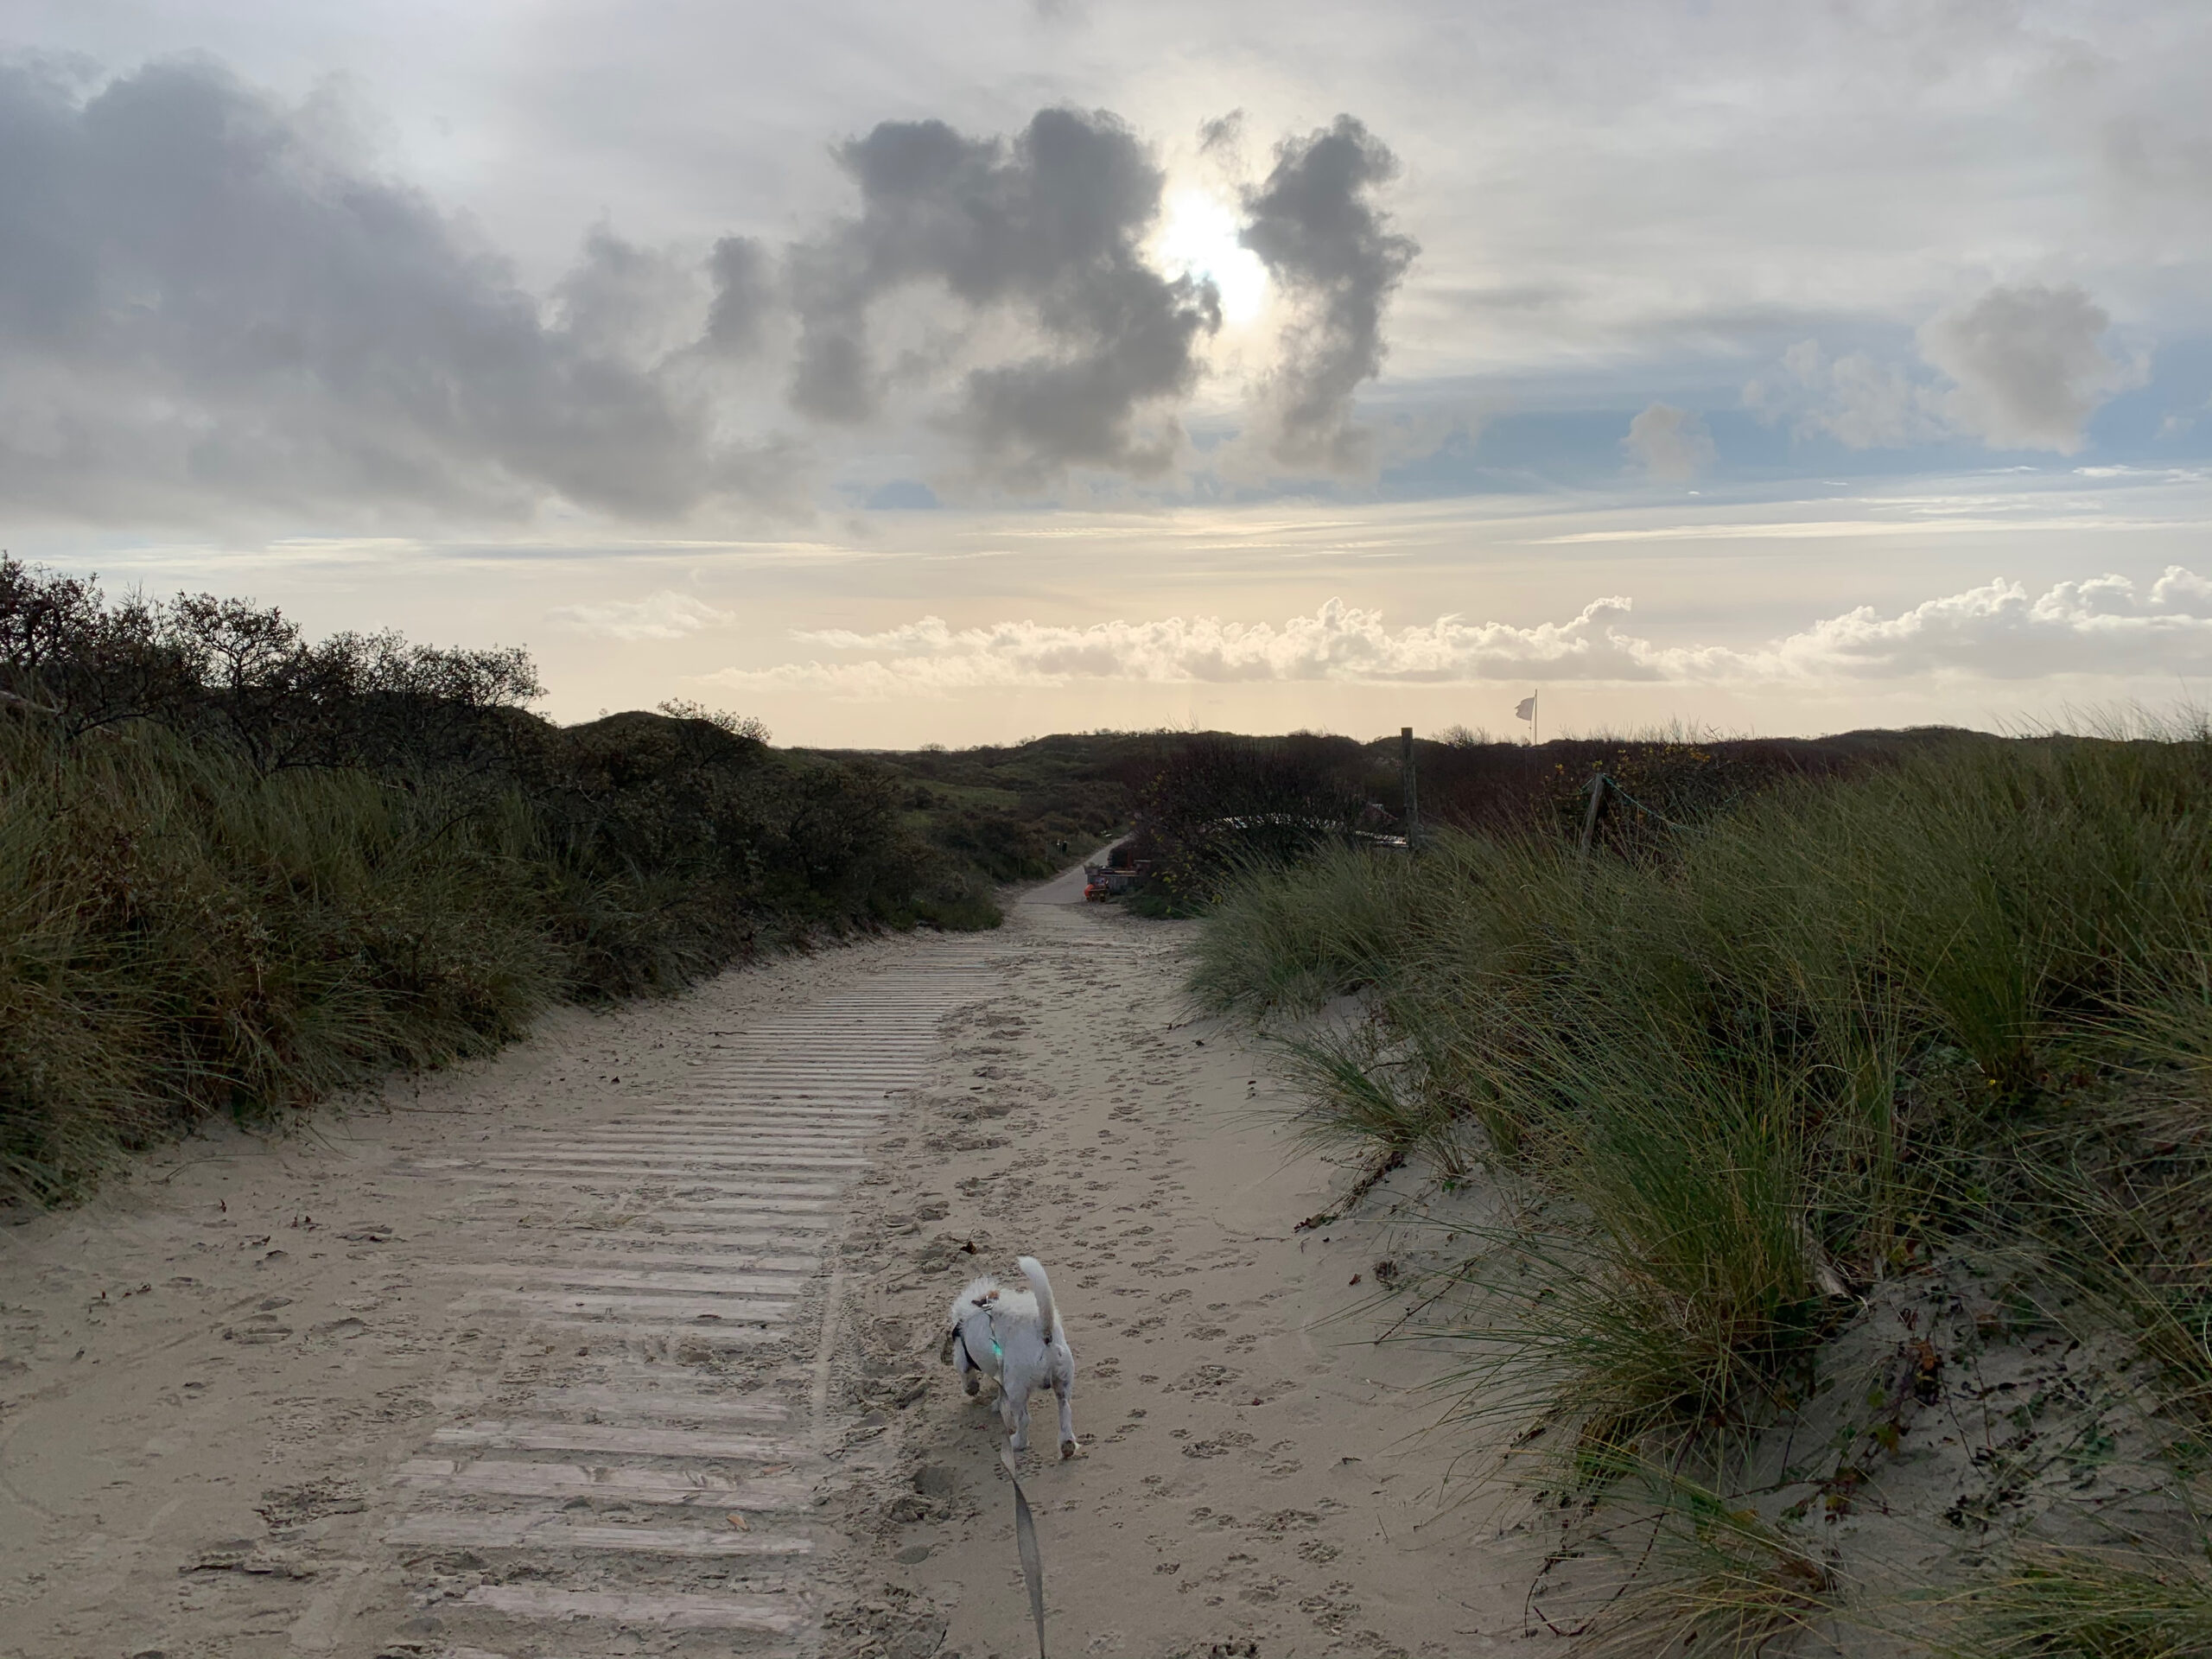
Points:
x=991, y=1295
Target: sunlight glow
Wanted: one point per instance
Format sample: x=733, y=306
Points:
x=1197, y=238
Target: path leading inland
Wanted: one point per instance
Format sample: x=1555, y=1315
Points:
x=626, y=1342
x=532, y=1365
x=1270, y=1469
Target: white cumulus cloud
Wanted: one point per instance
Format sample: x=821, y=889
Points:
x=2101, y=626
x=1998, y=631
x=1338, y=642
x=662, y=615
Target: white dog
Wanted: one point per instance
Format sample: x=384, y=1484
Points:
x=1015, y=1337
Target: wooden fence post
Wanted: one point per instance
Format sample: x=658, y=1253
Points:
x=1598, y=786
x=1413, y=793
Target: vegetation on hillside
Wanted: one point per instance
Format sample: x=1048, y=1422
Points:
x=239, y=868
x=1800, y=1113
x=1023, y=810
x=1210, y=804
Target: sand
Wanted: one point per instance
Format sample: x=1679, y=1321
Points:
x=1260, y=1476
x=300, y=1395
x=214, y=1376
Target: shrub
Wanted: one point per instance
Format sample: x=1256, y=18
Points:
x=1216, y=805
x=239, y=868
x=182, y=938
x=1770, y=1055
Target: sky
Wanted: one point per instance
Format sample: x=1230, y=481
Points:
x=959, y=373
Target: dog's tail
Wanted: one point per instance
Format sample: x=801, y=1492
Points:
x=1048, y=1316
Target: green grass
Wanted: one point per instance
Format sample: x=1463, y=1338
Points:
x=1695, y=1574
x=1832, y=1033
x=2089, y=1604
x=184, y=934
x=179, y=938
x=1004, y=809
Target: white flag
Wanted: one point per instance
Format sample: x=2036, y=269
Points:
x=1526, y=710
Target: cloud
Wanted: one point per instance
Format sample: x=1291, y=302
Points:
x=1222, y=136
x=208, y=303
x=2024, y=367
x=1338, y=642
x=1999, y=631
x=1859, y=401
x=212, y=307
x=1315, y=224
x=2103, y=626
x=1670, y=444
x=1044, y=231
x=2029, y=369
x=661, y=615
x=745, y=295
x=627, y=302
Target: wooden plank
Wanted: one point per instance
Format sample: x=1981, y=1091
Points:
x=582, y=1255
x=610, y=1437
x=670, y=1402
x=778, y=1615
x=552, y=1529
x=682, y=1488
x=733, y=1310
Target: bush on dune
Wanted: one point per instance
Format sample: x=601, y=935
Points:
x=1018, y=811
x=1216, y=805
x=1837, y=1030
x=239, y=868
x=181, y=936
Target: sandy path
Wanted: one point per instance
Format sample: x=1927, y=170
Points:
x=533, y=1362
x=523, y=1364
x=1255, y=1481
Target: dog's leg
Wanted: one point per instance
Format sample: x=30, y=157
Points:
x=1020, y=1416
x=1068, y=1446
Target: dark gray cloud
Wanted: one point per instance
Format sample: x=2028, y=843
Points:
x=2029, y=365
x=212, y=308
x=744, y=294
x=627, y=301
x=206, y=305
x=1222, y=136
x=1044, y=231
x=1315, y=224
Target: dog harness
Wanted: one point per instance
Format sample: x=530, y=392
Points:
x=960, y=1336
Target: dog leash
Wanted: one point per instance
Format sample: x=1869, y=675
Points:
x=1025, y=1539
x=1025, y=1524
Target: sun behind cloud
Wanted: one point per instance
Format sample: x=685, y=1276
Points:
x=1197, y=238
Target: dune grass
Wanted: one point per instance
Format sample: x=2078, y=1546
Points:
x=2089, y=1604
x=180, y=937
x=1825, y=1037
x=184, y=934
x=240, y=868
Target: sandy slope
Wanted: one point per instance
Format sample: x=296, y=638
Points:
x=1255, y=1481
